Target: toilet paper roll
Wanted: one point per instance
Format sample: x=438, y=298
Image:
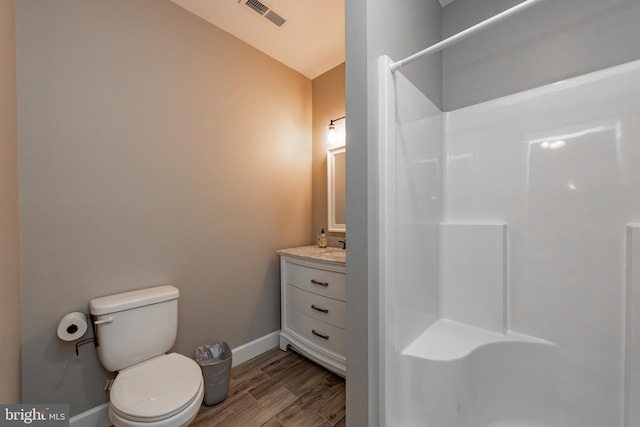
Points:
x=72, y=326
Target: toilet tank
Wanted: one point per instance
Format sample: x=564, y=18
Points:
x=135, y=326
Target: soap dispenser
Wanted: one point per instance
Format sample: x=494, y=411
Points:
x=323, y=240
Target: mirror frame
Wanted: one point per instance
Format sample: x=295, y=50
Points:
x=331, y=189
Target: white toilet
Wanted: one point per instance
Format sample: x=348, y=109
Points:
x=134, y=330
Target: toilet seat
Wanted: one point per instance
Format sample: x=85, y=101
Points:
x=156, y=389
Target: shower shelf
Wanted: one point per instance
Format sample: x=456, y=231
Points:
x=449, y=340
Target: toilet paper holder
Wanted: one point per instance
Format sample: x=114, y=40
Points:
x=94, y=338
x=83, y=342
x=76, y=323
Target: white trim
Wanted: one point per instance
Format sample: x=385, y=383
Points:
x=331, y=188
x=94, y=417
x=254, y=348
x=99, y=416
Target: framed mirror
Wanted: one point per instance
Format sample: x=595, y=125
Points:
x=336, y=189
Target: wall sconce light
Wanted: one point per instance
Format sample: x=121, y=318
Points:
x=332, y=136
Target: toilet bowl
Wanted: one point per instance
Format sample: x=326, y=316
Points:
x=153, y=388
x=164, y=391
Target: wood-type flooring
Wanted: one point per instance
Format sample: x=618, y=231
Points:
x=278, y=389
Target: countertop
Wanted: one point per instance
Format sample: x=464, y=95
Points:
x=332, y=255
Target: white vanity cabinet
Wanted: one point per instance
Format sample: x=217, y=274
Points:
x=313, y=305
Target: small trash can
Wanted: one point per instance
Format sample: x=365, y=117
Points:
x=215, y=361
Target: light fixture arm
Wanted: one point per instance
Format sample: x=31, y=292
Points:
x=331, y=122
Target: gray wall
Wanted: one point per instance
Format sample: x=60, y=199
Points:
x=153, y=148
x=374, y=28
x=549, y=42
x=9, y=239
x=402, y=28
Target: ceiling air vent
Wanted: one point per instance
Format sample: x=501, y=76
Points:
x=275, y=18
x=257, y=6
x=265, y=11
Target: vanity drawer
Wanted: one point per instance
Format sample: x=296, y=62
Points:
x=322, y=308
x=331, y=284
x=319, y=333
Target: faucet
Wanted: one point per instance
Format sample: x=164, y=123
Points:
x=344, y=243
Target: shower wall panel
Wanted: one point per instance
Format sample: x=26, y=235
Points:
x=410, y=211
x=559, y=165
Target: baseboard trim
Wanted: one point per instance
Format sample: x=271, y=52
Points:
x=254, y=348
x=99, y=416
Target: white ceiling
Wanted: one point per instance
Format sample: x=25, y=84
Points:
x=311, y=41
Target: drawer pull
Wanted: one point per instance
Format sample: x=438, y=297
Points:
x=318, y=334
x=322, y=310
x=316, y=282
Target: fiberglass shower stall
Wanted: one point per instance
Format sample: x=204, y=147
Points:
x=510, y=255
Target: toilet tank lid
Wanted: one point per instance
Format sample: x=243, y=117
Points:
x=132, y=299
